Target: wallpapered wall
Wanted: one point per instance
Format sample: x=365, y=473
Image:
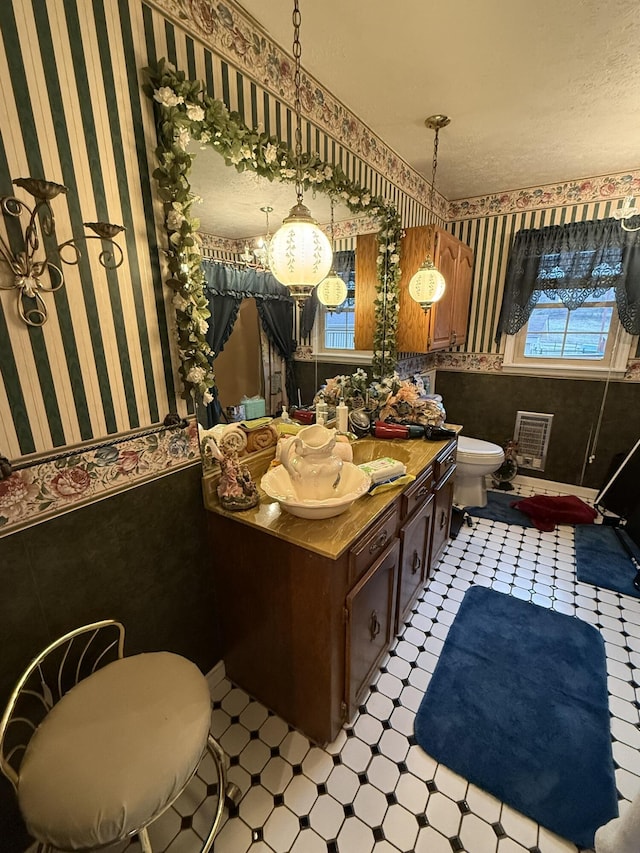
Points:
x=74, y=112
x=490, y=237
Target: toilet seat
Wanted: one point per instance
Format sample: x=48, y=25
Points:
x=472, y=450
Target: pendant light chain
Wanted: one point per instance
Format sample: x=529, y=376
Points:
x=297, y=53
x=433, y=174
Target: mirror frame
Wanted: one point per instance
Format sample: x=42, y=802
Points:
x=185, y=112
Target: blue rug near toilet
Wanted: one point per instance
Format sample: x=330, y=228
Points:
x=518, y=705
x=498, y=509
x=602, y=560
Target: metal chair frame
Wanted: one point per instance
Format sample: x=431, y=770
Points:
x=82, y=652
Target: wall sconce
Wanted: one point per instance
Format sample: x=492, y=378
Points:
x=31, y=262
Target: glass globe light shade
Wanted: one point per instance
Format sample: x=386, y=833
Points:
x=332, y=291
x=300, y=252
x=427, y=285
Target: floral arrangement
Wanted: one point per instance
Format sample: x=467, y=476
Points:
x=185, y=112
x=389, y=397
x=352, y=389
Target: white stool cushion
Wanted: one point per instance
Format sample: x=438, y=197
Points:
x=115, y=750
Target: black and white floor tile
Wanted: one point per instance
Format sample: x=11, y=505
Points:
x=374, y=789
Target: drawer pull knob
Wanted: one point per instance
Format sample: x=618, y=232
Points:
x=450, y=460
x=417, y=562
x=422, y=491
x=379, y=542
x=374, y=625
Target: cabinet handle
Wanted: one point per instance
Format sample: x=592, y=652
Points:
x=422, y=491
x=379, y=542
x=374, y=625
x=443, y=519
x=417, y=562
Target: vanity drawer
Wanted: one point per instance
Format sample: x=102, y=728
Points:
x=445, y=461
x=367, y=549
x=416, y=494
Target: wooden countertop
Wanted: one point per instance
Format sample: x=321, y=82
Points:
x=329, y=537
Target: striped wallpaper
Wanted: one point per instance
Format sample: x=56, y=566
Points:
x=73, y=112
x=490, y=238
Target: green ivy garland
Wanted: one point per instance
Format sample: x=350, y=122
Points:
x=185, y=112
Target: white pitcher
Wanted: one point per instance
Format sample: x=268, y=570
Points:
x=313, y=467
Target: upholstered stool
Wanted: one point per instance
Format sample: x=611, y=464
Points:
x=115, y=751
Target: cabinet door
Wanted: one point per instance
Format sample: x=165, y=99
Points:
x=415, y=538
x=370, y=614
x=366, y=289
x=441, y=517
x=441, y=314
x=462, y=302
x=413, y=325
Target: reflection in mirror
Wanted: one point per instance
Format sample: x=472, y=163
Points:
x=185, y=113
x=233, y=228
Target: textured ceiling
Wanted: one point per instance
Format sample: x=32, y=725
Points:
x=538, y=92
x=233, y=200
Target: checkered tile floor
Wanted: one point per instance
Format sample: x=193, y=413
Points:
x=374, y=789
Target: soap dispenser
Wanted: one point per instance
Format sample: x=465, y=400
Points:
x=342, y=417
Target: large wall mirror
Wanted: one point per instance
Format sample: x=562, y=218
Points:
x=206, y=152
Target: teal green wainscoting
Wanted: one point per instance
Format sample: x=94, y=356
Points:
x=486, y=404
x=141, y=556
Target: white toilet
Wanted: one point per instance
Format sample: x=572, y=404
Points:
x=475, y=459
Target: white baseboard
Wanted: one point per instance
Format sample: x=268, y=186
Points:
x=216, y=675
x=564, y=488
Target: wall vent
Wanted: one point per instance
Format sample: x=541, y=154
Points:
x=531, y=434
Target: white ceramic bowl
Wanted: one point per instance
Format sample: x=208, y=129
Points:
x=353, y=484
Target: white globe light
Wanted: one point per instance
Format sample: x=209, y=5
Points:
x=300, y=252
x=427, y=285
x=332, y=291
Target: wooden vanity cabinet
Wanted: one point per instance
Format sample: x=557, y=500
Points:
x=304, y=633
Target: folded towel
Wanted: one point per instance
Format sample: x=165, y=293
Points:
x=548, y=510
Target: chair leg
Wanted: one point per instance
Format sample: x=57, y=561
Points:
x=143, y=837
x=224, y=789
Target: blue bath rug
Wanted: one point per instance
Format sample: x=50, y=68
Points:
x=602, y=560
x=498, y=509
x=518, y=706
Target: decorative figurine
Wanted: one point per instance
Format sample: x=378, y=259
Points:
x=236, y=489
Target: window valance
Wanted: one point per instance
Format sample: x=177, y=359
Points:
x=223, y=280
x=572, y=262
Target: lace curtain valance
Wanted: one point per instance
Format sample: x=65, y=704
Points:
x=572, y=262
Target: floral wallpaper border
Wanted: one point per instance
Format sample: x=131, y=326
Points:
x=602, y=188
x=225, y=28
x=57, y=484
x=345, y=228
x=492, y=363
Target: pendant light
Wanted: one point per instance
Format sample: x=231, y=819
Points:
x=427, y=285
x=332, y=291
x=299, y=253
x=261, y=250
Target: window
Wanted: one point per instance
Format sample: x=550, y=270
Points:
x=337, y=328
x=334, y=331
x=582, y=339
x=566, y=297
